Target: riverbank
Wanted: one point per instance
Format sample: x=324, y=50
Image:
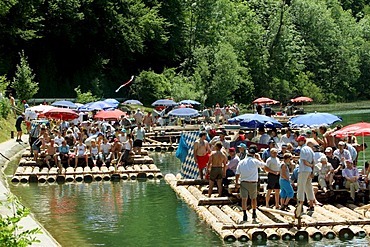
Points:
x=11, y=150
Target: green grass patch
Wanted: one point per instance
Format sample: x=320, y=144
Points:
x=6, y=126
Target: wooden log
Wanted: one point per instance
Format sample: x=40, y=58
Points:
x=70, y=174
x=273, y=234
x=325, y=230
x=22, y=161
x=105, y=173
x=132, y=173
x=171, y=180
x=192, y=182
x=217, y=201
x=313, y=232
x=43, y=175
x=79, y=174
x=355, y=215
x=52, y=176
x=140, y=174
x=359, y=232
x=30, y=163
x=95, y=172
x=61, y=178
x=171, y=149
x=87, y=174
x=27, y=154
x=145, y=168
x=33, y=176
x=342, y=231
x=121, y=172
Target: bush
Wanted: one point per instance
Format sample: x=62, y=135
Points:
x=10, y=236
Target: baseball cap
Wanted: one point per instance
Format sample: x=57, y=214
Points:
x=301, y=138
x=271, y=141
x=116, y=139
x=308, y=131
x=242, y=145
x=328, y=149
x=284, y=145
x=252, y=151
x=232, y=149
x=349, y=160
x=341, y=143
x=123, y=130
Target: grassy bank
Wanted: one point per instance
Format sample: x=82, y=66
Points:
x=6, y=126
x=336, y=107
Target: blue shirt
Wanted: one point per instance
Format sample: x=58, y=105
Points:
x=64, y=149
x=352, y=151
x=266, y=154
x=308, y=155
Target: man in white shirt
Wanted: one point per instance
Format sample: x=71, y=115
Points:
x=247, y=174
x=138, y=116
x=288, y=137
x=342, y=154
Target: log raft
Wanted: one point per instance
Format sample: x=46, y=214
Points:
x=139, y=166
x=225, y=218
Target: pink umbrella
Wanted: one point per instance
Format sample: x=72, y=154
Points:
x=302, y=99
x=264, y=100
x=109, y=115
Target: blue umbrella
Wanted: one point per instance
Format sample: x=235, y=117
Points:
x=255, y=121
x=164, y=102
x=132, y=102
x=189, y=102
x=112, y=101
x=65, y=104
x=97, y=106
x=183, y=112
x=314, y=120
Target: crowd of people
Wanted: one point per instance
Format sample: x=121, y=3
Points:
x=82, y=143
x=290, y=159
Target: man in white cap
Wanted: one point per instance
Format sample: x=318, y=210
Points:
x=342, y=153
x=326, y=174
x=247, y=174
x=304, y=183
x=350, y=173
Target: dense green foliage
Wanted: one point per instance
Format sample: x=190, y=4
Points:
x=208, y=50
x=11, y=234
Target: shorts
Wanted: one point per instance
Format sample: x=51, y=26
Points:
x=286, y=189
x=202, y=161
x=248, y=189
x=273, y=181
x=216, y=173
x=138, y=143
x=19, y=128
x=36, y=148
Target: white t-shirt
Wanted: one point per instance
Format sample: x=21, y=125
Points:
x=139, y=133
x=81, y=148
x=273, y=164
x=122, y=138
x=58, y=140
x=248, y=169
x=105, y=147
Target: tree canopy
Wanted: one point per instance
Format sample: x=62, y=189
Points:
x=213, y=51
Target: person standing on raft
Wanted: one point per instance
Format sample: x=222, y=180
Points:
x=201, y=152
x=216, y=168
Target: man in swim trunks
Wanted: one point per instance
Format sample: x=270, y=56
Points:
x=216, y=168
x=201, y=152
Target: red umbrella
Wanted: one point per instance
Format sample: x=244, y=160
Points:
x=61, y=113
x=302, y=99
x=357, y=129
x=109, y=115
x=264, y=100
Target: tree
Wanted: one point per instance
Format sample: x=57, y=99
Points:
x=84, y=98
x=23, y=81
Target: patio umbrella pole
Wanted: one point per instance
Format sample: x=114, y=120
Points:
x=363, y=153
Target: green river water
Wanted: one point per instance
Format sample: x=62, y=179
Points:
x=136, y=213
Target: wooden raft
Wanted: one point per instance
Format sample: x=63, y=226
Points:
x=225, y=216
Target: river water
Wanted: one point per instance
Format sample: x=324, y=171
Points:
x=135, y=213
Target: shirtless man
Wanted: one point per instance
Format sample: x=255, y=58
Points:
x=216, y=169
x=201, y=152
x=12, y=104
x=51, y=149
